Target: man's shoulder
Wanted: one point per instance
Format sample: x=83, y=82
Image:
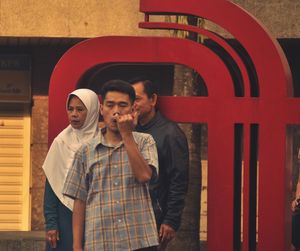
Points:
x=141, y=135
x=143, y=138
x=165, y=122
x=91, y=144
x=170, y=127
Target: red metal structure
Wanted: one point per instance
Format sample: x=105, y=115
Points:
x=248, y=125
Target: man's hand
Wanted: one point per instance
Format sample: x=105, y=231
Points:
x=166, y=234
x=77, y=249
x=135, y=114
x=295, y=204
x=52, y=237
x=126, y=123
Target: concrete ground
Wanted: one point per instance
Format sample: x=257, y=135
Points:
x=22, y=241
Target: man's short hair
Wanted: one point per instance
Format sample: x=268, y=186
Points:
x=150, y=87
x=118, y=85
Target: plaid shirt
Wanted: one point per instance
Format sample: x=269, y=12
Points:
x=119, y=214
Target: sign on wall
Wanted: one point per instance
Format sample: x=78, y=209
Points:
x=15, y=78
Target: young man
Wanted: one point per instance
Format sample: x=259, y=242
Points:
x=173, y=154
x=109, y=180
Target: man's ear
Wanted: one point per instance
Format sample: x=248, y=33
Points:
x=154, y=99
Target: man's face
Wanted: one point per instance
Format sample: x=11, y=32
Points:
x=77, y=112
x=115, y=103
x=143, y=104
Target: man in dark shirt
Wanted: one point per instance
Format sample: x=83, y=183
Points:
x=169, y=191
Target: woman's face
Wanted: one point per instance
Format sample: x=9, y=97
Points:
x=77, y=112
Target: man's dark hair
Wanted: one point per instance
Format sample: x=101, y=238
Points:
x=150, y=87
x=118, y=85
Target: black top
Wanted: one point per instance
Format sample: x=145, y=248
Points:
x=173, y=157
x=58, y=217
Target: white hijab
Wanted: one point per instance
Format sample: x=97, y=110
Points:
x=61, y=153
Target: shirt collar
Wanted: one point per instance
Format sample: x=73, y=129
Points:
x=152, y=122
x=101, y=140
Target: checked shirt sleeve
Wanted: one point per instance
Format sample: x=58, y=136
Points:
x=75, y=185
x=149, y=151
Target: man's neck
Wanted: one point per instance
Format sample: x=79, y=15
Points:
x=145, y=120
x=112, y=138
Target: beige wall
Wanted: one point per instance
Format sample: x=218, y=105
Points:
x=70, y=18
x=280, y=17
x=90, y=18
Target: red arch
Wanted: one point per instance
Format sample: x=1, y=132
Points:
x=89, y=53
x=270, y=62
x=273, y=110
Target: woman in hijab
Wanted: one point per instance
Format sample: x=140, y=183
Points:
x=83, y=114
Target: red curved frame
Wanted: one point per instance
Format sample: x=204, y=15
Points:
x=273, y=110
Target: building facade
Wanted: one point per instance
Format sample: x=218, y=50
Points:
x=39, y=32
